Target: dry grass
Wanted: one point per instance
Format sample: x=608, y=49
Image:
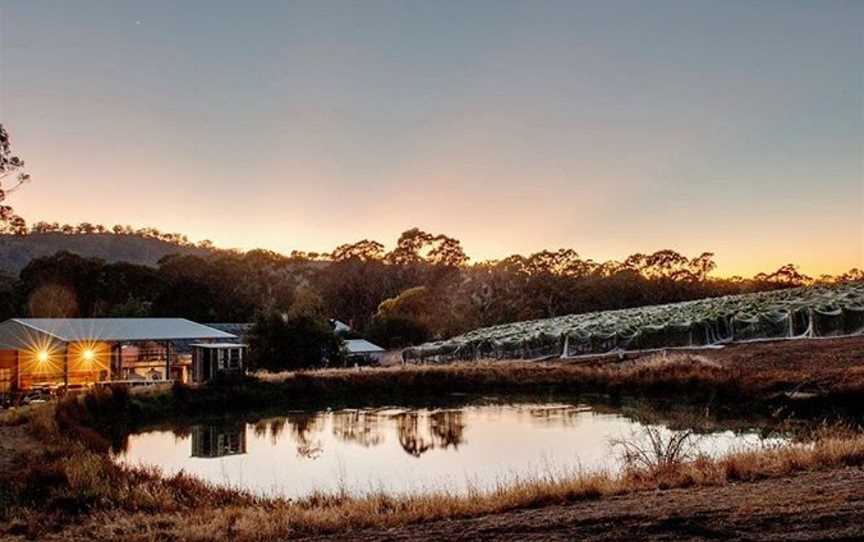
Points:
x=686, y=373
x=684, y=376
x=671, y=370
x=70, y=479
x=182, y=509
x=17, y=416
x=73, y=477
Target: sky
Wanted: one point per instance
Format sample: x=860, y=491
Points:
x=608, y=127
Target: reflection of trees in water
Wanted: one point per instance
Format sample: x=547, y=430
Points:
x=408, y=426
x=181, y=431
x=271, y=426
x=447, y=428
x=261, y=428
x=305, y=426
x=418, y=432
x=563, y=415
x=442, y=430
x=277, y=426
x=357, y=426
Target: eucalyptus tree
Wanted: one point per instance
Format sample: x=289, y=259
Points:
x=10, y=166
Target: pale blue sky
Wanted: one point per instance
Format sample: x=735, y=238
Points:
x=608, y=127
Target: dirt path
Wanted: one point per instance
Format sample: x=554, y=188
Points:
x=816, y=506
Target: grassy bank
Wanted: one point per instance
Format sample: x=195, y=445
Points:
x=71, y=480
x=68, y=477
x=683, y=377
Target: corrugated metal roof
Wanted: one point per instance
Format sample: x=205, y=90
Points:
x=119, y=329
x=218, y=346
x=361, y=346
x=240, y=330
x=15, y=335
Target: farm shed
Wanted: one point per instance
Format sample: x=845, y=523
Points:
x=362, y=350
x=54, y=352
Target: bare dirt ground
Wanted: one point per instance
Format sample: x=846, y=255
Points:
x=803, y=354
x=809, y=355
x=815, y=506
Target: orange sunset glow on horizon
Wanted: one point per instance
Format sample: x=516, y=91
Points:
x=732, y=130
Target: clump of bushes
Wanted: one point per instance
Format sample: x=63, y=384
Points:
x=93, y=417
x=279, y=342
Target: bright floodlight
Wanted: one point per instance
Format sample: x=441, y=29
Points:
x=42, y=356
x=88, y=355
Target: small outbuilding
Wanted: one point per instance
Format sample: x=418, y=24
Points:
x=362, y=351
x=214, y=360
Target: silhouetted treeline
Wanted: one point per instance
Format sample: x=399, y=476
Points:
x=422, y=289
x=87, y=228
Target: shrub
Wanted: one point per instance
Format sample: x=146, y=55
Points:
x=278, y=343
x=397, y=331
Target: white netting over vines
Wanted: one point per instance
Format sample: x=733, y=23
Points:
x=823, y=311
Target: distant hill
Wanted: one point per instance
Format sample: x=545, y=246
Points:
x=16, y=251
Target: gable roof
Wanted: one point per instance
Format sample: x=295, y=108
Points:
x=107, y=329
x=339, y=326
x=361, y=346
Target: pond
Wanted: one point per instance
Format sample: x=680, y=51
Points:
x=401, y=450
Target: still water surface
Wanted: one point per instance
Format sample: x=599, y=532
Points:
x=402, y=450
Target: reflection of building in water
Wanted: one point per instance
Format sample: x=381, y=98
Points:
x=218, y=441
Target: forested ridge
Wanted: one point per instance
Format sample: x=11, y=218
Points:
x=422, y=289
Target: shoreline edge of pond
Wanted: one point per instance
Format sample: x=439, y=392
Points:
x=67, y=462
